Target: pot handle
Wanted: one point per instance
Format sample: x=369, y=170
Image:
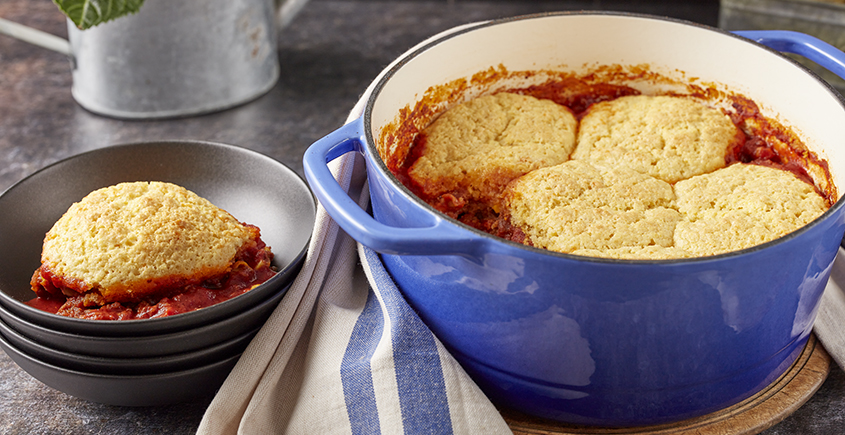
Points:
x=441, y=238
x=814, y=49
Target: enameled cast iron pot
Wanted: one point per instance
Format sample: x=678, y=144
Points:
x=600, y=341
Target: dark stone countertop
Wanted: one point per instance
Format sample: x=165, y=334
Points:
x=328, y=56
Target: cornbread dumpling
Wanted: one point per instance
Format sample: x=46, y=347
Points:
x=576, y=206
x=741, y=206
x=477, y=147
x=671, y=138
x=126, y=241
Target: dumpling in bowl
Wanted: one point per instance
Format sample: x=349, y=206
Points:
x=122, y=249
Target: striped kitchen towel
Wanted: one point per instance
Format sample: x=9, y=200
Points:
x=345, y=354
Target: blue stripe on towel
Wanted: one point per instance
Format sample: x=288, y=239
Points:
x=355, y=370
x=422, y=390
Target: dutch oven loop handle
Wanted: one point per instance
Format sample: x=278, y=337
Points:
x=441, y=238
x=810, y=47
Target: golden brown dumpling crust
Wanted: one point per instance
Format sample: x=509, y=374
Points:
x=125, y=240
x=575, y=207
x=742, y=206
x=479, y=146
x=671, y=138
x=646, y=180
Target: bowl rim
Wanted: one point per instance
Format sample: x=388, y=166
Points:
x=379, y=165
x=179, y=321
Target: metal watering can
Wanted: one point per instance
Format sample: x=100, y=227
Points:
x=172, y=58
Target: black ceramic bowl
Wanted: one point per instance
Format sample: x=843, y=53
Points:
x=125, y=390
x=253, y=187
x=146, y=346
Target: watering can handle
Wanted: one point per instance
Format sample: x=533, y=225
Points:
x=286, y=10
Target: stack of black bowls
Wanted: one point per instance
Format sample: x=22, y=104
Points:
x=152, y=361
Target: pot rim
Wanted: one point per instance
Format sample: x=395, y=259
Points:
x=406, y=58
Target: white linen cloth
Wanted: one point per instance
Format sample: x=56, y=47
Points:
x=343, y=353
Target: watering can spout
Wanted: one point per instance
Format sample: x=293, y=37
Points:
x=35, y=37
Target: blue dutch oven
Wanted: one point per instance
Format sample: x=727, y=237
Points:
x=588, y=340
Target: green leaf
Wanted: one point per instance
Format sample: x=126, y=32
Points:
x=89, y=13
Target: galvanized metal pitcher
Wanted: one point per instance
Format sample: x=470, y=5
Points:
x=173, y=58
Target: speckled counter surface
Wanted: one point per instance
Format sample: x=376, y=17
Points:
x=328, y=56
